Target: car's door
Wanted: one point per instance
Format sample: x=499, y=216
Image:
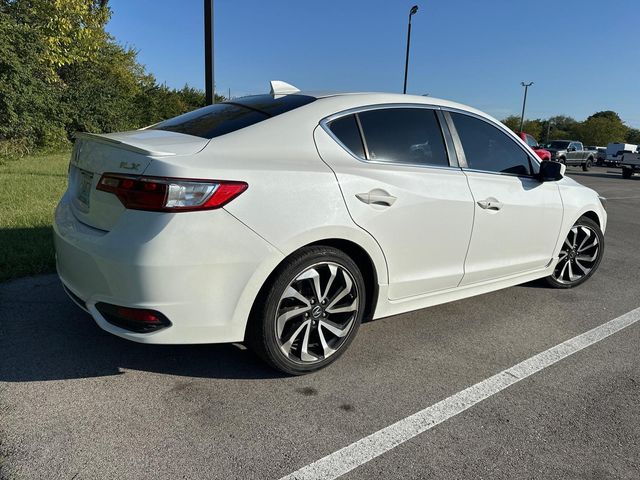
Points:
x=580, y=153
x=517, y=218
x=573, y=155
x=400, y=185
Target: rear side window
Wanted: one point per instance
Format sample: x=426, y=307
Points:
x=346, y=130
x=222, y=118
x=403, y=135
x=489, y=149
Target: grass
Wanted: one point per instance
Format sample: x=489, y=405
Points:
x=30, y=188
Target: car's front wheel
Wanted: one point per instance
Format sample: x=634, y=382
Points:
x=580, y=255
x=310, y=311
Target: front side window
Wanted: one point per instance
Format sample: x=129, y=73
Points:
x=489, y=149
x=404, y=135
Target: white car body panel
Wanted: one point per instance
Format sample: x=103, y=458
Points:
x=204, y=269
x=425, y=233
x=518, y=238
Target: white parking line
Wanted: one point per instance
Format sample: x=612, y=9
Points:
x=360, y=452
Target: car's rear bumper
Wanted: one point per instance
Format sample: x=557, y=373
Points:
x=194, y=268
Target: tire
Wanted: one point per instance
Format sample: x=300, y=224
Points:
x=582, y=250
x=562, y=160
x=627, y=172
x=587, y=165
x=330, y=311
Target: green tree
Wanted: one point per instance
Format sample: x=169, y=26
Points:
x=633, y=136
x=561, y=127
x=71, y=30
x=60, y=72
x=602, y=128
x=30, y=110
x=609, y=115
x=532, y=127
x=99, y=95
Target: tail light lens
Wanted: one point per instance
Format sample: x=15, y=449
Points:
x=170, y=194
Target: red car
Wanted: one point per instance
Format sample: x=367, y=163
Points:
x=533, y=143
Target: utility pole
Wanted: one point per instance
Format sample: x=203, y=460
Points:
x=209, y=79
x=524, y=102
x=412, y=12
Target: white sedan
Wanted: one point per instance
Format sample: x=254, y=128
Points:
x=284, y=220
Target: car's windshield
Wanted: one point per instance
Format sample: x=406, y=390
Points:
x=558, y=144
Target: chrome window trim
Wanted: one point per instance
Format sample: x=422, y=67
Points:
x=324, y=123
x=499, y=126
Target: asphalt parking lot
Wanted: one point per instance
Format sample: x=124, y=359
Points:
x=76, y=402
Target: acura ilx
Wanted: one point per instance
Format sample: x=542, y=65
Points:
x=284, y=220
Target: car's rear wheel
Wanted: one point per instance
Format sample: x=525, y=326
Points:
x=579, y=256
x=626, y=172
x=310, y=312
x=587, y=165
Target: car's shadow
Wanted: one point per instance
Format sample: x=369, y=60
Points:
x=44, y=336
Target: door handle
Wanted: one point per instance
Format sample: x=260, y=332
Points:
x=377, y=197
x=490, y=204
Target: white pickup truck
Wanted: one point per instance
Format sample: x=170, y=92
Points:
x=630, y=164
x=615, y=151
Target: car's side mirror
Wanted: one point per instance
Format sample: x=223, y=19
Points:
x=571, y=149
x=551, y=171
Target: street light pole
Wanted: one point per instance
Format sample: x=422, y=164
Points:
x=548, y=129
x=209, y=79
x=412, y=12
x=524, y=102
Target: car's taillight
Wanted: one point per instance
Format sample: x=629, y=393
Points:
x=170, y=194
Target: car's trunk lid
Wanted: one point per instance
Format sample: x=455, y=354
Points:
x=127, y=153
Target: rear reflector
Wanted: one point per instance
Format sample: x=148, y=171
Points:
x=170, y=194
x=139, y=320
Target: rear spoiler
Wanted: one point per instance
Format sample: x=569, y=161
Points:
x=95, y=137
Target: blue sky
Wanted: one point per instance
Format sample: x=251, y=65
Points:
x=583, y=55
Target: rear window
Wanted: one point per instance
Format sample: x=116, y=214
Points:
x=222, y=118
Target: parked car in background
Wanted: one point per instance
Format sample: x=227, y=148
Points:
x=283, y=220
x=599, y=152
x=615, y=151
x=533, y=143
x=630, y=164
x=571, y=152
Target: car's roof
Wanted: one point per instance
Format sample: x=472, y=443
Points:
x=392, y=97
x=280, y=88
x=373, y=98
